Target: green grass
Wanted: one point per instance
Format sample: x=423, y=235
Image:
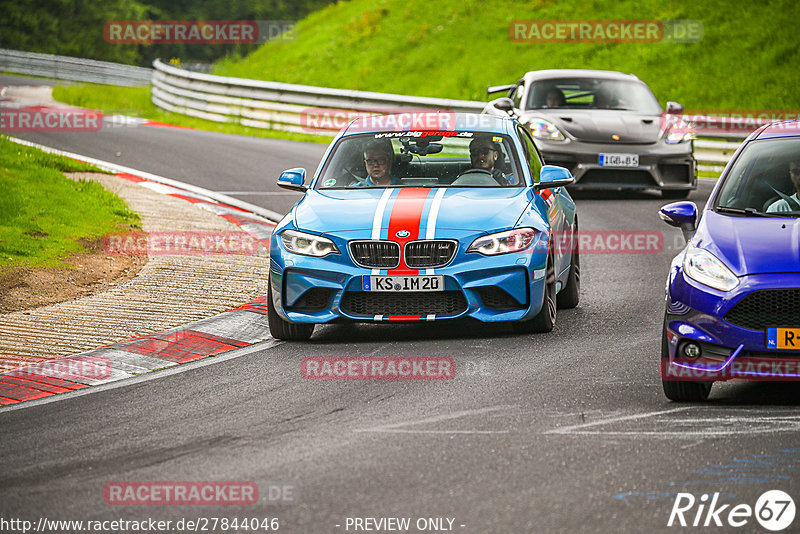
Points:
x=747, y=59
x=43, y=214
x=135, y=102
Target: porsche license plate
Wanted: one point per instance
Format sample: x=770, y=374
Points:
x=403, y=283
x=783, y=338
x=618, y=160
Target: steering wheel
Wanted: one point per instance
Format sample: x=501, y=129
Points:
x=475, y=177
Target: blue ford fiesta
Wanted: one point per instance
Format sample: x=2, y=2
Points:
x=733, y=294
x=425, y=217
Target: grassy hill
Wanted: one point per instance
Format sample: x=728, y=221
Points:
x=748, y=59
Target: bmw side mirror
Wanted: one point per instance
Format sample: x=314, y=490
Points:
x=682, y=215
x=674, y=108
x=552, y=176
x=293, y=179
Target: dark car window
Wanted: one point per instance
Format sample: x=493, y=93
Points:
x=765, y=178
x=592, y=93
x=531, y=153
x=422, y=159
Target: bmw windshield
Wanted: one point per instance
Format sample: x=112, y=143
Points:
x=422, y=159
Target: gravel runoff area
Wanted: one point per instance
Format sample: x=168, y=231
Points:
x=169, y=291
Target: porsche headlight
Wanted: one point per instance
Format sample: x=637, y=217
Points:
x=515, y=240
x=702, y=266
x=542, y=129
x=678, y=136
x=308, y=244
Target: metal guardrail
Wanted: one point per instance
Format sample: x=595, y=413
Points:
x=70, y=68
x=320, y=110
x=280, y=106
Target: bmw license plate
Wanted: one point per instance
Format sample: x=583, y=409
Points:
x=618, y=160
x=434, y=282
x=783, y=338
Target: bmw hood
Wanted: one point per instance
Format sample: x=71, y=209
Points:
x=359, y=210
x=598, y=126
x=751, y=245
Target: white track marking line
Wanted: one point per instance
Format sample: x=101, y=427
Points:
x=569, y=429
x=396, y=427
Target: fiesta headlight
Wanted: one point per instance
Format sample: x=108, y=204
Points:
x=542, y=129
x=702, y=266
x=308, y=244
x=515, y=240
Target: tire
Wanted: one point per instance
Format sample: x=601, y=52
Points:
x=280, y=329
x=681, y=391
x=545, y=320
x=675, y=194
x=570, y=294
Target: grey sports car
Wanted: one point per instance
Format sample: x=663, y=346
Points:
x=606, y=127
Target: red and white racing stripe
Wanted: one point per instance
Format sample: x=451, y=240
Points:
x=405, y=215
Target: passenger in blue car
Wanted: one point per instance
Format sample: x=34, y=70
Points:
x=378, y=158
x=789, y=203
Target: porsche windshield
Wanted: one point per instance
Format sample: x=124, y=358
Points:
x=765, y=180
x=593, y=93
x=422, y=159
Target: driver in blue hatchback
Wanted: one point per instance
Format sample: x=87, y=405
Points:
x=484, y=153
x=789, y=203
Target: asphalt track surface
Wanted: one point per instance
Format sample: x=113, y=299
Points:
x=562, y=432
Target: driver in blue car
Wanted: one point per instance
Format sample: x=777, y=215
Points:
x=789, y=203
x=378, y=158
x=484, y=153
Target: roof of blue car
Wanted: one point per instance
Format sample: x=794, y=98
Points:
x=787, y=128
x=422, y=120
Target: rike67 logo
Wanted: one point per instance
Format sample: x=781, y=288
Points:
x=774, y=510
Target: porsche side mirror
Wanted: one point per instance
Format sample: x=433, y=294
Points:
x=681, y=215
x=674, y=108
x=552, y=176
x=293, y=179
x=505, y=104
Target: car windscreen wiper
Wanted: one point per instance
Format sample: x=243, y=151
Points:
x=751, y=212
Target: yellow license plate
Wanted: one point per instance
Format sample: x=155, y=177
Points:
x=783, y=338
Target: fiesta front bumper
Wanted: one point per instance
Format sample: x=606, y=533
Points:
x=701, y=315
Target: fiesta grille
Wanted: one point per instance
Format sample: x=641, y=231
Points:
x=405, y=303
x=767, y=307
x=497, y=299
x=430, y=253
x=375, y=254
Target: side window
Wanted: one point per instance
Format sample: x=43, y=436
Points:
x=531, y=153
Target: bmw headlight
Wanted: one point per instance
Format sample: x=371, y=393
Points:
x=515, y=240
x=542, y=129
x=308, y=244
x=702, y=266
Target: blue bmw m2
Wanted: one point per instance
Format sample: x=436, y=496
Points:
x=425, y=217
